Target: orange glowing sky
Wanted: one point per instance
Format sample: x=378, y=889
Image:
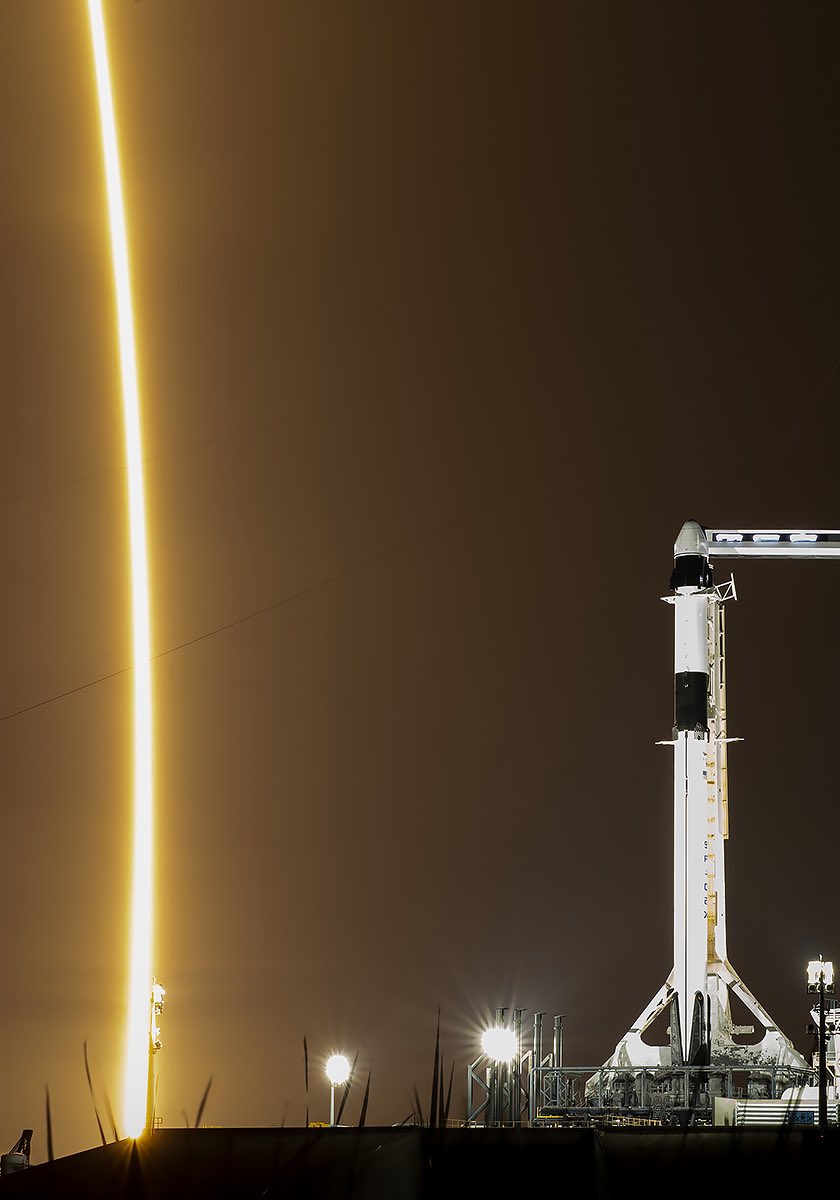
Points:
x=448, y=317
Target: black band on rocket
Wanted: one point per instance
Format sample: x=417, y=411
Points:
x=691, y=709
x=691, y=570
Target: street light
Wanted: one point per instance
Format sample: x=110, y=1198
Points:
x=338, y=1072
x=821, y=980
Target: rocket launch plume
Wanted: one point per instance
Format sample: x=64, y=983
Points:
x=140, y=972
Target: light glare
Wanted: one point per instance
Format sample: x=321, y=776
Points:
x=140, y=967
x=817, y=967
x=499, y=1043
x=338, y=1069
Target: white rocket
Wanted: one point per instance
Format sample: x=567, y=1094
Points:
x=698, y=820
x=698, y=989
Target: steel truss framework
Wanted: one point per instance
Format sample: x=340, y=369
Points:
x=673, y=1095
x=499, y=1093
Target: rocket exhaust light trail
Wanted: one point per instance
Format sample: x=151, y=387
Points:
x=140, y=971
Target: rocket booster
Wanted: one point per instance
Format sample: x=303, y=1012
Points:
x=691, y=584
x=697, y=992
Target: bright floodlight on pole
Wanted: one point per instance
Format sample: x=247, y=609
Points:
x=821, y=980
x=817, y=968
x=338, y=1072
x=499, y=1043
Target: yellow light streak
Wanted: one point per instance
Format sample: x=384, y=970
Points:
x=140, y=966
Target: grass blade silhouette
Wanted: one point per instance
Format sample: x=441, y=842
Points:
x=433, y=1111
x=347, y=1088
x=93, y=1097
x=418, y=1107
x=201, y=1106
x=306, y=1076
x=154, y=1103
x=110, y=1114
x=363, y=1113
x=186, y=1118
x=445, y=1118
x=50, y=1152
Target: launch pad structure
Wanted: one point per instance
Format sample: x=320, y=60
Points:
x=699, y=1058
x=698, y=990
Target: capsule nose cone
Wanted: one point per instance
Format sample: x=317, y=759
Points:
x=691, y=540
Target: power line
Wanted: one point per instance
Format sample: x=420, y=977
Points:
x=456, y=519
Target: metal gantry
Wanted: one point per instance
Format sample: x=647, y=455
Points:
x=500, y=1090
x=539, y=1090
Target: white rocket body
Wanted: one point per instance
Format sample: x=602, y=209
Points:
x=693, y=594
x=698, y=989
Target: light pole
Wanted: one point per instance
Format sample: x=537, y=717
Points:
x=501, y=1046
x=558, y=1040
x=155, y=1009
x=821, y=980
x=338, y=1072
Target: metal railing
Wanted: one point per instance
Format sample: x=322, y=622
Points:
x=582, y=1095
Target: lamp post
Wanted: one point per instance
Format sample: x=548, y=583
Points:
x=821, y=980
x=558, y=1040
x=155, y=1009
x=338, y=1072
x=501, y=1046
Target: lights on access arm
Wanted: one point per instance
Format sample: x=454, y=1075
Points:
x=773, y=543
x=767, y=537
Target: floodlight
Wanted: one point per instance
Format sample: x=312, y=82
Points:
x=338, y=1069
x=821, y=971
x=821, y=980
x=499, y=1043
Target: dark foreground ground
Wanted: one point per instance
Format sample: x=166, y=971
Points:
x=408, y=1163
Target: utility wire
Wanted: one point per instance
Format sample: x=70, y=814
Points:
x=464, y=515
x=491, y=501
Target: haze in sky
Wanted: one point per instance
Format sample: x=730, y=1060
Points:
x=448, y=317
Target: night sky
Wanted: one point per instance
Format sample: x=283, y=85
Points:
x=449, y=315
